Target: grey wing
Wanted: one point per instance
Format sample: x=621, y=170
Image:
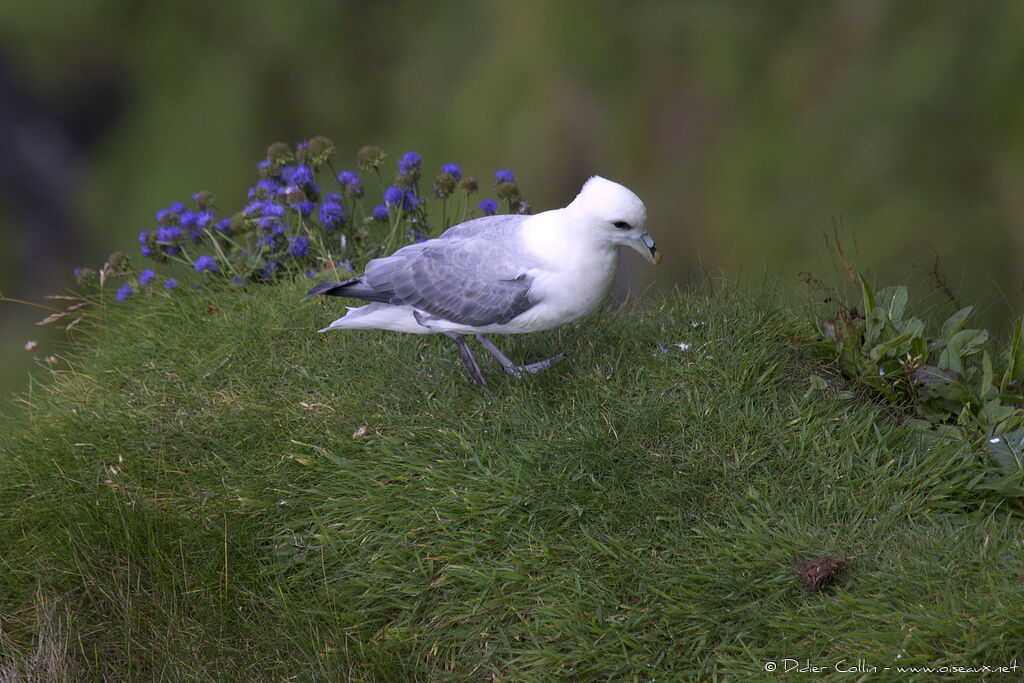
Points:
x=503, y=225
x=475, y=281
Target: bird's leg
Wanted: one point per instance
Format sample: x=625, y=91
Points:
x=467, y=359
x=505, y=361
x=542, y=365
x=510, y=366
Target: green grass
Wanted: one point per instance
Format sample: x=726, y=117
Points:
x=189, y=502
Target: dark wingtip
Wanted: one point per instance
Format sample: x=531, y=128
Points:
x=324, y=288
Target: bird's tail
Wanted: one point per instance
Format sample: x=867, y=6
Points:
x=379, y=316
x=356, y=288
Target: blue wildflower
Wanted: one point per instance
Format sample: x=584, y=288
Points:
x=351, y=183
x=165, y=217
x=205, y=262
x=489, y=207
x=289, y=194
x=346, y=265
x=332, y=215
x=264, y=208
x=297, y=175
x=146, y=240
x=349, y=178
x=171, y=283
x=146, y=276
x=177, y=208
x=223, y=226
x=237, y=280
x=310, y=273
x=504, y=176
x=270, y=226
x=123, y=292
x=453, y=169
x=380, y=213
x=169, y=235
x=305, y=207
x=409, y=201
x=298, y=246
x=410, y=163
x=263, y=189
x=393, y=196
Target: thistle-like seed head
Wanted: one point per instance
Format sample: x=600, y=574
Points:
x=444, y=185
x=280, y=153
x=203, y=200
x=369, y=157
x=85, y=275
x=268, y=169
x=116, y=262
x=404, y=181
x=239, y=225
x=508, y=190
x=319, y=149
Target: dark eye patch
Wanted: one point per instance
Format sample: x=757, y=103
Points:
x=622, y=225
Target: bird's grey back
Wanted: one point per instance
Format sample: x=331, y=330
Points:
x=473, y=274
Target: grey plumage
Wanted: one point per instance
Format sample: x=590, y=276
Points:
x=461, y=280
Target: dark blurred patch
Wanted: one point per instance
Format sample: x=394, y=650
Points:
x=44, y=142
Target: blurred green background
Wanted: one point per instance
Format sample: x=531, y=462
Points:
x=748, y=128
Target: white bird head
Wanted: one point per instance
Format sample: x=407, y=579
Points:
x=612, y=212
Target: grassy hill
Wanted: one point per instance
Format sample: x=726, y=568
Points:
x=211, y=490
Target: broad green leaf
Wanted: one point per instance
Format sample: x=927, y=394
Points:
x=869, y=296
x=956, y=321
x=914, y=327
x=939, y=382
x=961, y=345
x=875, y=326
x=1005, y=450
x=919, y=347
x=1014, y=357
x=994, y=412
x=949, y=359
x=986, y=377
x=893, y=347
x=893, y=301
x=971, y=341
x=818, y=382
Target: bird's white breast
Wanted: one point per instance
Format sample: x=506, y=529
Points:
x=574, y=277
